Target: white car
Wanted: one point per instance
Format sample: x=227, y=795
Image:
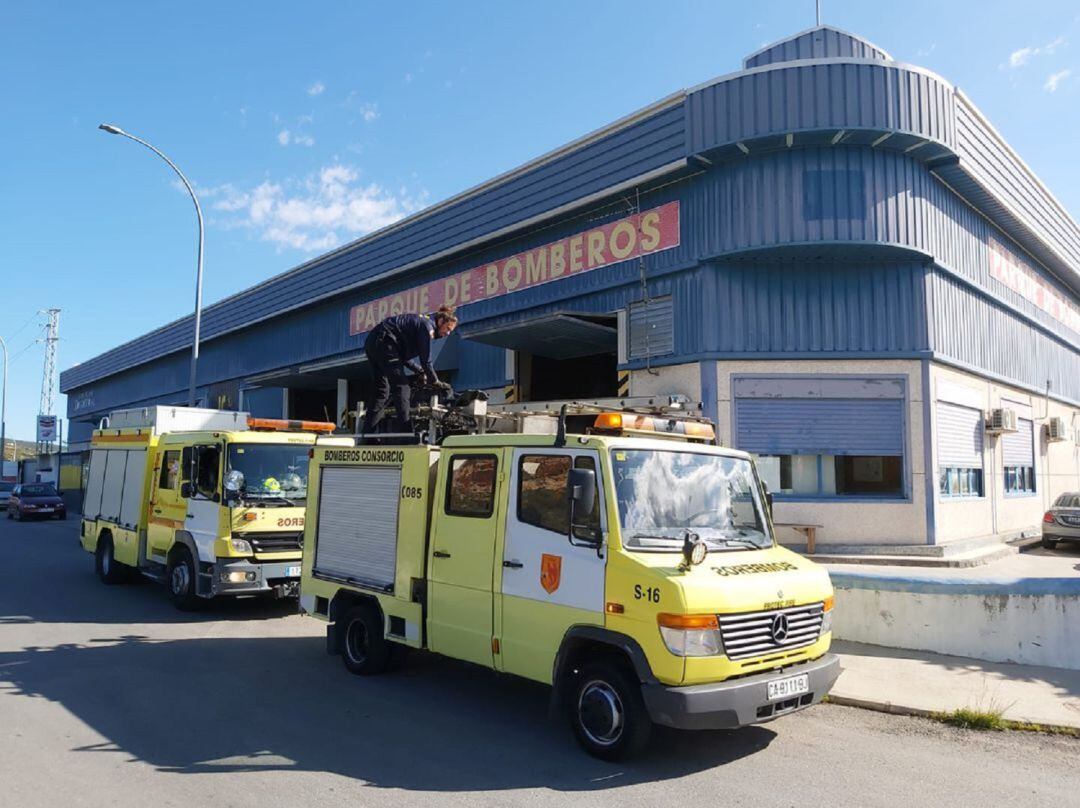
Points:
x=5, y=493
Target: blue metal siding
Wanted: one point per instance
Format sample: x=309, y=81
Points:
x=820, y=96
x=982, y=334
x=481, y=366
x=641, y=147
x=822, y=42
x=996, y=167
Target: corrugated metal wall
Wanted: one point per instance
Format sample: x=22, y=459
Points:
x=821, y=96
x=982, y=334
x=822, y=42
x=995, y=166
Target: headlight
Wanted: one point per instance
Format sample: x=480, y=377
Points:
x=691, y=635
x=826, y=619
x=242, y=546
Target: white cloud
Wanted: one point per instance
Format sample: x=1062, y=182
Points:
x=408, y=78
x=318, y=88
x=1053, y=81
x=1020, y=57
x=285, y=137
x=369, y=112
x=317, y=213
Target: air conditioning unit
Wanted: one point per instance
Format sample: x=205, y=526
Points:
x=1001, y=420
x=1056, y=430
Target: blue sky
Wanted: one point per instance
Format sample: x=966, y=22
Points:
x=305, y=125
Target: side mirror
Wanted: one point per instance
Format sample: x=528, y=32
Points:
x=185, y=490
x=581, y=488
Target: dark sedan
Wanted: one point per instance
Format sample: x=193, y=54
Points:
x=35, y=499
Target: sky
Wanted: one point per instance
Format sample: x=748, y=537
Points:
x=306, y=125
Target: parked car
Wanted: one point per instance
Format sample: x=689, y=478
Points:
x=5, y=492
x=35, y=499
x=1062, y=521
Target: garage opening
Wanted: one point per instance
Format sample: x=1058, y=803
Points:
x=560, y=356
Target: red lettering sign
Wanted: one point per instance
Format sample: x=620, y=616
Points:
x=648, y=232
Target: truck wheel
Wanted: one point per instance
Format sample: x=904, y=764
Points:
x=608, y=713
x=364, y=649
x=1049, y=544
x=181, y=578
x=108, y=569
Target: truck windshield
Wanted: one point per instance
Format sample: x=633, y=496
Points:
x=661, y=494
x=268, y=472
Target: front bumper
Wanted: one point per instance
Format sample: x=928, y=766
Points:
x=245, y=578
x=740, y=702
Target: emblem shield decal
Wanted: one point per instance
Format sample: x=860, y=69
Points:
x=550, y=572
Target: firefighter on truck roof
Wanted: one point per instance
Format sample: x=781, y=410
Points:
x=398, y=343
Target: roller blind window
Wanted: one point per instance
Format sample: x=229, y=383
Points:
x=960, y=450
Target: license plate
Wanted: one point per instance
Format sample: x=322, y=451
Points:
x=45, y=510
x=786, y=688
x=292, y=572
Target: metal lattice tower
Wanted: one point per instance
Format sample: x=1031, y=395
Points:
x=48, y=376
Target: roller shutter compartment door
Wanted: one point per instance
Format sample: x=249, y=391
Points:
x=959, y=436
x=356, y=535
x=95, y=481
x=1018, y=448
x=806, y=426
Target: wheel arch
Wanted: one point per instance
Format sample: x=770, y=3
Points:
x=340, y=604
x=595, y=641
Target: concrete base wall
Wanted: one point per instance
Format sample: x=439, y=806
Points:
x=1032, y=622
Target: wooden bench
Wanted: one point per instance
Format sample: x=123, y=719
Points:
x=810, y=531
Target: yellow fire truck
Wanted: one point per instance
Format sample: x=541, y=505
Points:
x=210, y=502
x=631, y=566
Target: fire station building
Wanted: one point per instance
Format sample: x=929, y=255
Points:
x=834, y=252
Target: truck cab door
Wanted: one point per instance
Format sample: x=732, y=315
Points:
x=167, y=511
x=547, y=583
x=461, y=551
x=203, y=517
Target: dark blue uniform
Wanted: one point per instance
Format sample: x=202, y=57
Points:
x=398, y=342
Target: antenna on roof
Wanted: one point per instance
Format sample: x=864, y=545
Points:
x=817, y=5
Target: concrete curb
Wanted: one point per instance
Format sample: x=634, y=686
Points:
x=934, y=715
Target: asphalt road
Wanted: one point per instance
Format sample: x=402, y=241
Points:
x=110, y=697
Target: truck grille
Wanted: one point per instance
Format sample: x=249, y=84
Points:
x=284, y=542
x=759, y=633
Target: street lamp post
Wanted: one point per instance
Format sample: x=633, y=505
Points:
x=3, y=412
x=116, y=130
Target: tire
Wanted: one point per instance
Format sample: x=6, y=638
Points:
x=1049, y=544
x=180, y=577
x=607, y=712
x=18, y=515
x=108, y=569
x=62, y=515
x=364, y=649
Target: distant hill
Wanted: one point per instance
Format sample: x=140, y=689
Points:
x=23, y=450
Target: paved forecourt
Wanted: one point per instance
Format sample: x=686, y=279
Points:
x=110, y=697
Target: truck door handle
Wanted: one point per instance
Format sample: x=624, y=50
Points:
x=440, y=554
x=514, y=565
x=191, y=516
x=157, y=510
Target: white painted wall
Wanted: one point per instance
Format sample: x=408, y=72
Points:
x=1057, y=465
x=989, y=623
x=846, y=522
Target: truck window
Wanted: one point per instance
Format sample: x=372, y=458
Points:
x=207, y=463
x=470, y=490
x=170, y=470
x=542, y=494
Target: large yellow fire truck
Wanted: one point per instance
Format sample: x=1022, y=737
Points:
x=631, y=566
x=210, y=502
